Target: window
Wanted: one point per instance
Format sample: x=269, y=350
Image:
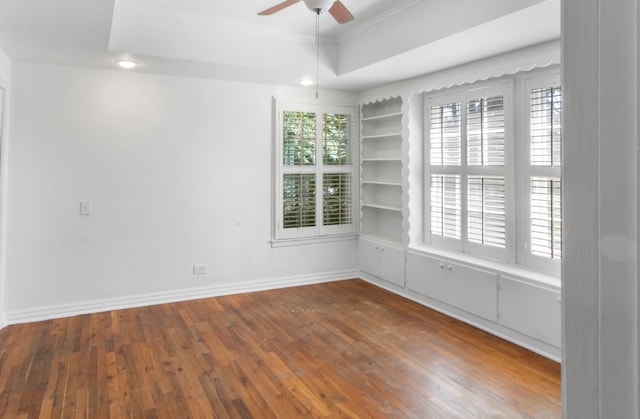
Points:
x=315, y=171
x=544, y=134
x=467, y=187
x=493, y=184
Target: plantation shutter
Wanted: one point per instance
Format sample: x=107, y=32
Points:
x=298, y=138
x=485, y=131
x=545, y=145
x=546, y=126
x=337, y=198
x=336, y=139
x=445, y=145
x=446, y=207
x=486, y=210
x=315, y=170
x=445, y=135
x=486, y=197
x=546, y=217
x=299, y=200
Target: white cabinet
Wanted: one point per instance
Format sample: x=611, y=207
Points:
x=382, y=260
x=532, y=310
x=426, y=276
x=381, y=170
x=470, y=289
x=473, y=290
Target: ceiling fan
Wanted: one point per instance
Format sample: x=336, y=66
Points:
x=335, y=7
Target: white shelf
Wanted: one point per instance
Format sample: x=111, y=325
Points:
x=382, y=136
x=383, y=116
x=381, y=206
x=381, y=159
x=381, y=163
x=382, y=182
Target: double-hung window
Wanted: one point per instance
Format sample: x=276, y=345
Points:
x=544, y=137
x=467, y=186
x=315, y=171
x=493, y=157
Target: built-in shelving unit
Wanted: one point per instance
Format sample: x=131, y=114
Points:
x=381, y=175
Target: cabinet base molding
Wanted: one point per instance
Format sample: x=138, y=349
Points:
x=495, y=329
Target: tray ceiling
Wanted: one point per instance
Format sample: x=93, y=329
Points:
x=389, y=40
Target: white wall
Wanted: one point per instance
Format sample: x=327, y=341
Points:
x=600, y=183
x=178, y=171
x=5, y=82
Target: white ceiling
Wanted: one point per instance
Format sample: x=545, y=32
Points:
x=389, y=40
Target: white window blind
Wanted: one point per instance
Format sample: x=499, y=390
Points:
x=485, y=131
x=336, y=139
x=446, y=206
x=486, y=213
x=546, y=126
x=545, y=144
x=337, y=198
x=446, y=141
x=546, y=217
x=299, y=138
x=299, y=200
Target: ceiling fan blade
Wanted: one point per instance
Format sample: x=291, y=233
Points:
x=278, y=7
x=340, y=12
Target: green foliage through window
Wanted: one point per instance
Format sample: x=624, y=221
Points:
x=299, y=200
x=336, y=190
x=336, y=139
x=299, y=138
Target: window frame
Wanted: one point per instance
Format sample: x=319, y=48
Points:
x=520, y=170
x=538, y=80
x=463, y=95
x=318, y=232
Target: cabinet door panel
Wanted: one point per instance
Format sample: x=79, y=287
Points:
x=473, y=290
x=368, y=259
x=392, y=264
x=532, y=310
x=426, y=276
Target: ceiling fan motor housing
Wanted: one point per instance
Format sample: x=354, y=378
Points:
x=319, y=6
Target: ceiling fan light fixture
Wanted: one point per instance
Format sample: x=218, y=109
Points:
x=306, y=82
x=318, y=6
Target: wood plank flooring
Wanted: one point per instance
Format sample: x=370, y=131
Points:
x=342, y=349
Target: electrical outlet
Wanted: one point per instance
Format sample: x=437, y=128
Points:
x=85, y=207
x=200, y=269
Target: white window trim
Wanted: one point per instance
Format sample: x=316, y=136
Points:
x=318, y=233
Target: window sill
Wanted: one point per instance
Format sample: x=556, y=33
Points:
x=313, y=240
x=525, y=273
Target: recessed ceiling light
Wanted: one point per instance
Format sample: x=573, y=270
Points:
x=306, y=82
x=127, y=64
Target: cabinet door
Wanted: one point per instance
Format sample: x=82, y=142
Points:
x=532, y=310
x=391, y=264
x=426, y=276
x=473, y=290
x=368, y=259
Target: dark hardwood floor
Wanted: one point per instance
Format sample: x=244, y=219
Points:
x=342, y=349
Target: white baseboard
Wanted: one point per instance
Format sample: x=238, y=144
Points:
x=141, y=300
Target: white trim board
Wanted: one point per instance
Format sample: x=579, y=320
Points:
x=164, y=297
